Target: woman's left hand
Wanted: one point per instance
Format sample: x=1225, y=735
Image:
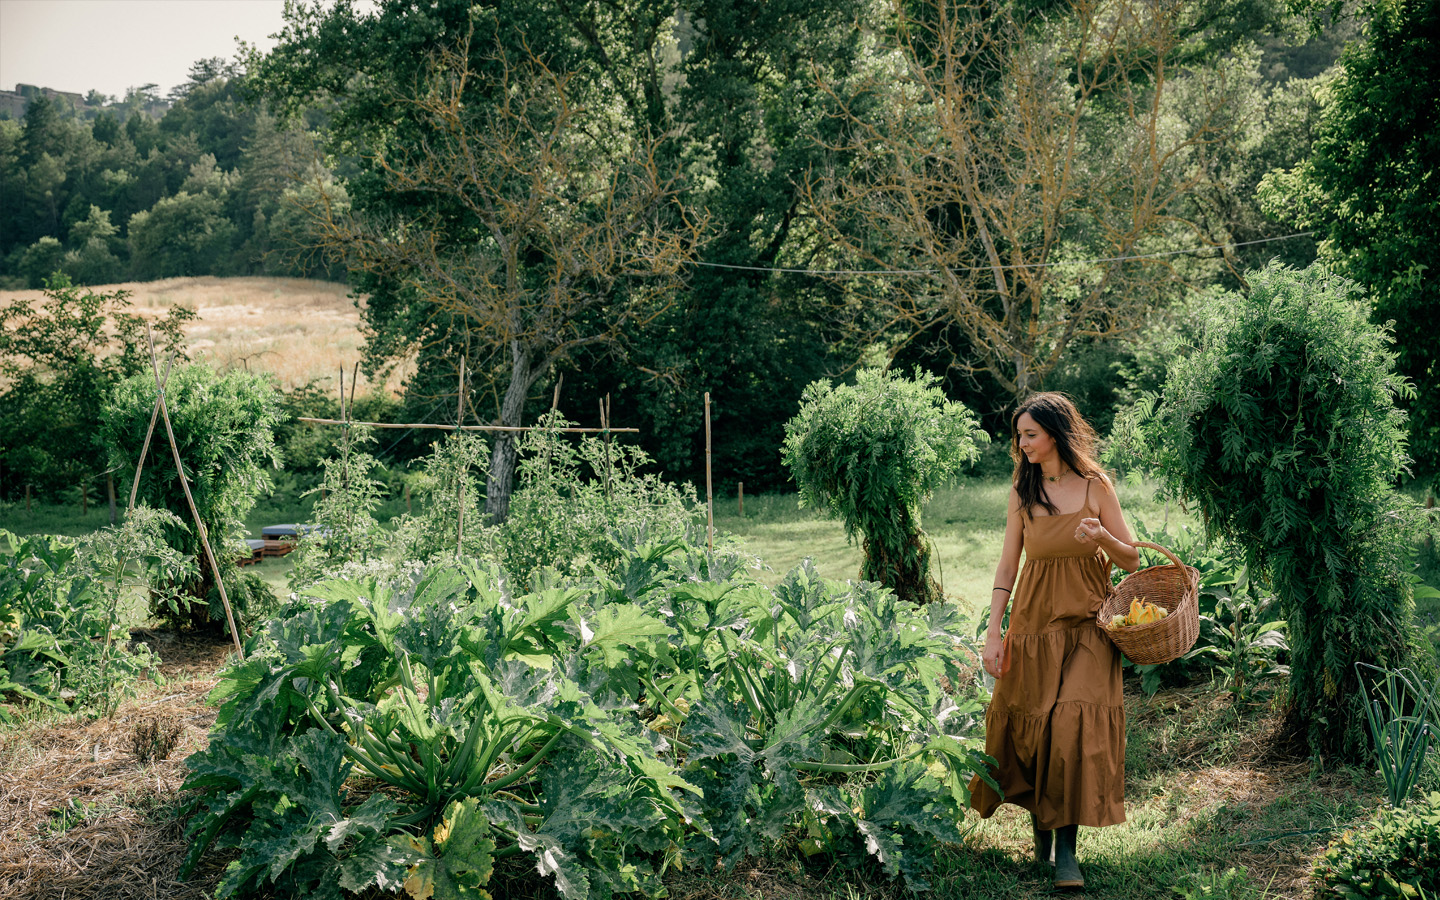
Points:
x=1090, y=531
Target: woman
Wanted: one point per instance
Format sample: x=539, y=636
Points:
x=1056, y=722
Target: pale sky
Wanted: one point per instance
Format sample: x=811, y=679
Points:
x=111, y=45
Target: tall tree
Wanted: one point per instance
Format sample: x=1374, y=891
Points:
x=1369, y=190
x=1017, y=167
x=539, y=227
x=727, y=84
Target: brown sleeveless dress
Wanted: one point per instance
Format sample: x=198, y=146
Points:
x=1056, y=722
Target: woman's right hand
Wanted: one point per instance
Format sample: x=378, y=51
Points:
x=993, y=657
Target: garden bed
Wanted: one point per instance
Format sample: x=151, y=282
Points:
x=81, y=818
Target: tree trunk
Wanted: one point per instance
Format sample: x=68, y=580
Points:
x=501, y=479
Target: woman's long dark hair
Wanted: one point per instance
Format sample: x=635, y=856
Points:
x=1074, y=443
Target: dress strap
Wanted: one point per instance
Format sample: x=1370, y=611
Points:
x=1088, y=480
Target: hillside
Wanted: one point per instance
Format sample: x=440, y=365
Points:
x=297, y=329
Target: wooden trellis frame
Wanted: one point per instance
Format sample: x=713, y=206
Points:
x=162, y=412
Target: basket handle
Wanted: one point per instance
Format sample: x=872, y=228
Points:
x=1175, y=560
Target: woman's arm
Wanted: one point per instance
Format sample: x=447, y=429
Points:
x=1110, y=532
x=1005, y=572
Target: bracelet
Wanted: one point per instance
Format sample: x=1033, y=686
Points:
x=999, y=588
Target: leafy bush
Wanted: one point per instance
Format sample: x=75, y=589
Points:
x=871, y=454
x=1282, y=430
x=59, y=360
x=449, y=487
x=224, y=426
x=61, y=640
x=598, y=730
x=573, y=497
x=345, y=528
x=1395, y=855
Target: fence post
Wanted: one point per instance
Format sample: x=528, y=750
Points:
x=27, y=498
x=110, y=494
x=741, y=488
x=709, y=487
x=460, y=480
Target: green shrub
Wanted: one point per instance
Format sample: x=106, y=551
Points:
x=451, y=521
x=575, y=497
x=440, y=727
x=1394, y=855
x=224, y=427
x=1281, y=429
x=62, y=641
x=59, y=361
x=345, y=528
x=871, y=454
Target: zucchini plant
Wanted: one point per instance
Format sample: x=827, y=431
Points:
x=422, y=734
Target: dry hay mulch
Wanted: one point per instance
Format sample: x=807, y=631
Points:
x=81, y=816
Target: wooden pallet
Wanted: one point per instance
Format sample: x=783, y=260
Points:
x=277, y=547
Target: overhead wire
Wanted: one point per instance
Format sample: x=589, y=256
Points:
x=782, y=270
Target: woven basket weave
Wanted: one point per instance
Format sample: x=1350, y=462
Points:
x=1176, y=588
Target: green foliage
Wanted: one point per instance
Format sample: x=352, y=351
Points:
x=59, y=360
x=1241, y=639
x=224, y=428
x=1402, y=724
x=186, y=234
x=574, y=497
x=1365, y=190
x=597, y=731
x=1395, y=855
x=449, y=485
x=1232, y=884
x=1281, y=429
x=344, y=528
x=871, y=454
x=62, y=643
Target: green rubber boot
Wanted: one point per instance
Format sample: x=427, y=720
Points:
x=1067, y=867
x=1044, y=842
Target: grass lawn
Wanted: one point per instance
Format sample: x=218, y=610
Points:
x=965, y=522
x=1206, y=792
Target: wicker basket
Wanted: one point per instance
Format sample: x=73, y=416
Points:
x=1176, y=588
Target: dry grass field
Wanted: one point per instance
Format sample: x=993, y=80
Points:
x=294, y=328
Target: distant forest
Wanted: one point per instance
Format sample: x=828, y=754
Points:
x=106, y=191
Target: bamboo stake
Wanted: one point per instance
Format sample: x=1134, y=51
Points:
x=554, y=408
x=190, y=499
x=460, y=476
x=431, y=425
x=709, y=487
x=605, y=430
x=149, y=432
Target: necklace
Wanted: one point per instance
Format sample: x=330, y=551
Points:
x=1054, y=478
